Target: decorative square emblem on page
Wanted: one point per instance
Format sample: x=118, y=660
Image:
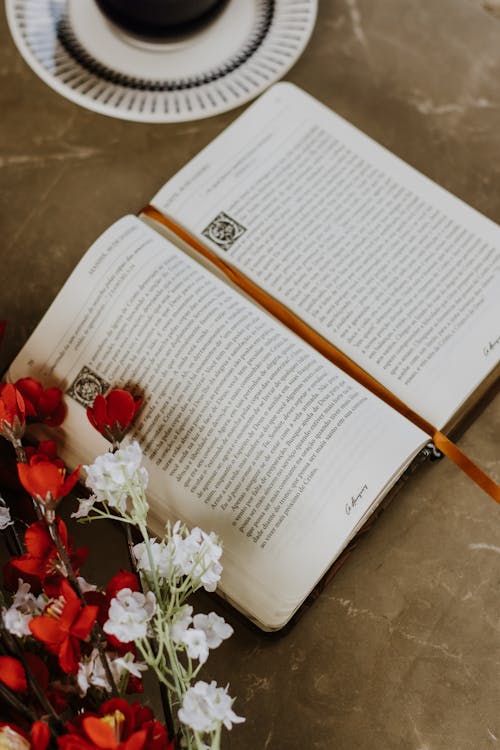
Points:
x=86, y=386
x=224, y=231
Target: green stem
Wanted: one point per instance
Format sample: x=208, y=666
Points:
x=200, y=745
x=216, y=738
x=16, y=704
x=154, y=574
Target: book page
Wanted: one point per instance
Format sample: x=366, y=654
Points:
x=246, y=430
x=393, y=270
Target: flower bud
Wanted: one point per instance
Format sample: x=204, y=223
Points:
x=12, y=413
x=113, y=414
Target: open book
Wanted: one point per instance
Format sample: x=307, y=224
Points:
x=246, y=428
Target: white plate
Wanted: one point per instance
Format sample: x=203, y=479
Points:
x=247, y=46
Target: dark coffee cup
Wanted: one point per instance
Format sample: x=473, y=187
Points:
x=158, y=17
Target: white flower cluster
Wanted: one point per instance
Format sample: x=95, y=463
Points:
x=114, y=477
x=24, y=607
x=205, y=706
x=195, y=554
x=91, y=672
x=129, y=614
x=208, y=632
x=171, y=570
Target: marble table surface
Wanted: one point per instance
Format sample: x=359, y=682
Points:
x=402, y=651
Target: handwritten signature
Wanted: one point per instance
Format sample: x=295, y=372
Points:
x=490, y=346
x=351, y=504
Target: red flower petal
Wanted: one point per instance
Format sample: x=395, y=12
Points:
x=40, y=735
x=78, y=557
x=43, y=405
x=99, y=733
x=41, y=559
x=73, y=742
x=12, y=674
x=97, y=413
x=134, y=685
x=70, y=482
x=57, y=417
x=30, y=389
x=121, y=407
x=51, y=408
x=46, y=479
x=72, y=605
x=48, y=631
x=141, y=714
x=37, y=539
x=85, y=621
x=47, y=449
x=12, y=405
x=137, y=741
x=63, y=532
x=42, y=479
x=69, y=655
x=50, y=400
x=122, y=580
x=29, y=565
x=112, y=415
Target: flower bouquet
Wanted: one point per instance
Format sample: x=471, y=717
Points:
x=73, y=655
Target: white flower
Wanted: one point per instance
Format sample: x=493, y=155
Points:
x=85, y=505
x=196, y=644
x=113, y=477
x=208, y=568
x=181, y=620
x=181, y=549
x=91, y=672
x=24, y=607
x=5, y=519
x=205, y=706
x=197, y=555
x=129, y=614
x=127, y=663
x=215, y=628
x=13, y=740
x=162, y=558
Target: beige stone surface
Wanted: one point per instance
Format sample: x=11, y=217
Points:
x=402, y=651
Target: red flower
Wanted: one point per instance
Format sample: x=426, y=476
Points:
x=113, y=414
x=12, y=413
x=42, y=560
x=42, y=405
x=46, y=451
x=117, y=726
x=46, y=479
x=11, y=736
x=40, y=735
x=12, y=674
x=66, y=623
